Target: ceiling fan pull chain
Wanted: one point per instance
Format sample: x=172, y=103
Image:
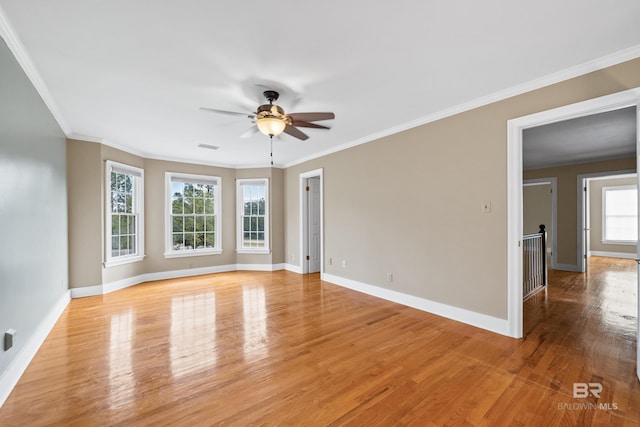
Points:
x=271, y=141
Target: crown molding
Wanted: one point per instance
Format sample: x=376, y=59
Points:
x=566, y=74
x=86, y=138
x=149, y=156
x=17, y=48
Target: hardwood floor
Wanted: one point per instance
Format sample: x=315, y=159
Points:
x=256, y=348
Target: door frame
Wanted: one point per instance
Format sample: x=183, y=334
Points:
x=515, y=128
x=583, y=208
x=304, y=223
x=553, y=183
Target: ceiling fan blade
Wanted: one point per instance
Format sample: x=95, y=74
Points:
x=250, y=132
x=312, y=117
x=228, y=113
x=303, y=124
x=295, y=132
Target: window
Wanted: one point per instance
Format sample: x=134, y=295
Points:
x=253, y=215
x=193, y=215
x=620, y=214
x=124, y=214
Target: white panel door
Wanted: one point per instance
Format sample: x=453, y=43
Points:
x=314, y=224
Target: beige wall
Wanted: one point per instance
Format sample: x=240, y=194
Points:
x=595, y=215
x=277, y=216
x=536, y=208
x=86, y=184
x=567, y=198
x=84, y=199
x=410, y=203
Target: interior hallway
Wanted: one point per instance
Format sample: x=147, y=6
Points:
x=281, y=348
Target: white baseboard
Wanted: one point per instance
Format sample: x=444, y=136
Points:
x=20, y=362
x=566, y=267
x=260, y=267
x=86, y=291
x=293, y=268
x=105, y=288
x=175, y=274
x=472, y=318
x=624, y=255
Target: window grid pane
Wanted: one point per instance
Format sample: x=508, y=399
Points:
x=123, y=234
x=124, y=215
x=192, y=216
x=253, y=217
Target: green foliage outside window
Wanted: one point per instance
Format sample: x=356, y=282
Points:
x=193, y=216
x=253, y=218
x=123, y=215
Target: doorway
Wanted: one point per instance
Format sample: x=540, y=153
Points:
x=311, y=221
x=540, y=207
x=591, y=240
x=515, y=129
x=590, y=217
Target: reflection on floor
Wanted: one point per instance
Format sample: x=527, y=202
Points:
x=281, y=348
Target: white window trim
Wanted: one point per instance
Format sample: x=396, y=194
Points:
x=139, y=207
x=168, y=229
x=604, y=217
x=240, y=209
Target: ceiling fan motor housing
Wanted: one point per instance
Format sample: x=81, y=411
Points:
x=272, y=110
x=271, y=95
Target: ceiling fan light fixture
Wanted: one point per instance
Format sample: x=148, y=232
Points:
x=271, y=126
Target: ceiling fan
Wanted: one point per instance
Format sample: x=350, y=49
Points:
x=271, y=120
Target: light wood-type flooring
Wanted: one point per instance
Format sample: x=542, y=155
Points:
x=262, y=348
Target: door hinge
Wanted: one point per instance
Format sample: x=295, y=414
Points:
x=585, y=189
x=308, y=257
x=307, y=188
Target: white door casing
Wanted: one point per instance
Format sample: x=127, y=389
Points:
x=305, y=230
x=515, y=127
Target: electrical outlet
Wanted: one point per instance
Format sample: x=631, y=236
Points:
x=344, y=263
x=189, y=265
x=9, y=337
x=389, y=277
x=330, y=261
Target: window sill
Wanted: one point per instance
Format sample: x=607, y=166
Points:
x=619, y=242
x=183, y=254
x=253, y=251
x=122, y=261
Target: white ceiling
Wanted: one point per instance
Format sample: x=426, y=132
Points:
x=604, y=136
x=133, y=74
